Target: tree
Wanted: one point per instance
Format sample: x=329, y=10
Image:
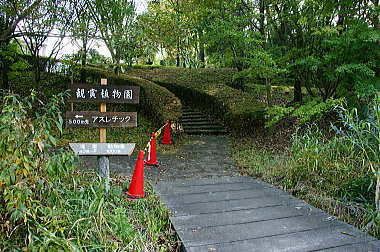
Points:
x=51, y=15
x=115, y=22
x=82, y=30
x=12, y=12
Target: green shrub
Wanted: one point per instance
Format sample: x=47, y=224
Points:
x=156, y=102
x=26, y=164
x=312, y=110
x=51, y=84
x=209, y=89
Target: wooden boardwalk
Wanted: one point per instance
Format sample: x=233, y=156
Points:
x=244, y=214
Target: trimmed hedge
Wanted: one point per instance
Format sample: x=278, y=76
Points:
x=209, y=90
x=51, y=84
x=158, y=103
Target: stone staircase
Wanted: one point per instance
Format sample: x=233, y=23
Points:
x=195, y=122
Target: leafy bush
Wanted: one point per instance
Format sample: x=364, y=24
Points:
x=25, y=165
x=156, y=102
x=305, y=113
x=209, y=89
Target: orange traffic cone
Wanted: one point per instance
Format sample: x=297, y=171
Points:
x=136, y=187
x=166, y=139
x=152, y=155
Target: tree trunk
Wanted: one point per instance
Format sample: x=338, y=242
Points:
x=375, y=18
x=178, y=61
x=262, y=18
x=5, y=67
x=377, y=195
x=37, y=70
x=117, y=67
x=269, y=92
x=4, y=75
x=84, y=61
x=201, y=56
x=297, y=91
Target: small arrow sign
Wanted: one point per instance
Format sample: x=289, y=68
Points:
x=100, y=119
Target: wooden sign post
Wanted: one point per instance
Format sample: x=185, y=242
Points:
x=103, y=161
x=102, y=119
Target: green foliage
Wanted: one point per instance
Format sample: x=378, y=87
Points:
x=156, y=102
x=315, y=109
x=258, y=162
x=276, y=114
x=10, y=55
x=116, y=24
x=311, y=111
x=342, y=64
x=26, y=139
x=261, y=65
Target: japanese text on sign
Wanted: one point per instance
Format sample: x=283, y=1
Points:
x=116, y=94
x=101, y=119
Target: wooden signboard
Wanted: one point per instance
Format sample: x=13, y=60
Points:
x=101, y=119
x=102, y=149
x=107, y=94
x=103, y=94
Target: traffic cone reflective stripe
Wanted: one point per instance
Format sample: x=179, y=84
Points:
x=167, y=139
x=136, y=187
x=152, y=156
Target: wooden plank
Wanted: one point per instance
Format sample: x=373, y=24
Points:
x=191, y=222
x=204, y=181
x=103, y=149
x=235, y=205
x=222, y=215
x=210, y=188
x=231, y=233
x=86, y=119
x=310, y=240
x=108, y=94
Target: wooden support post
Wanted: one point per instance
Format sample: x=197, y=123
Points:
x=103, y=161
x=103, y=108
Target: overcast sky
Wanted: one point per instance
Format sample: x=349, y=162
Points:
x=70, y=47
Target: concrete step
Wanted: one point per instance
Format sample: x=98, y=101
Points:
x=205, y=132
x=186, y=120
x=199, y=123
x=209, y=126
x=190, y=113
x=194, y=116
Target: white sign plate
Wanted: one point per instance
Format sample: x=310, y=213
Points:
x=103, y=149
